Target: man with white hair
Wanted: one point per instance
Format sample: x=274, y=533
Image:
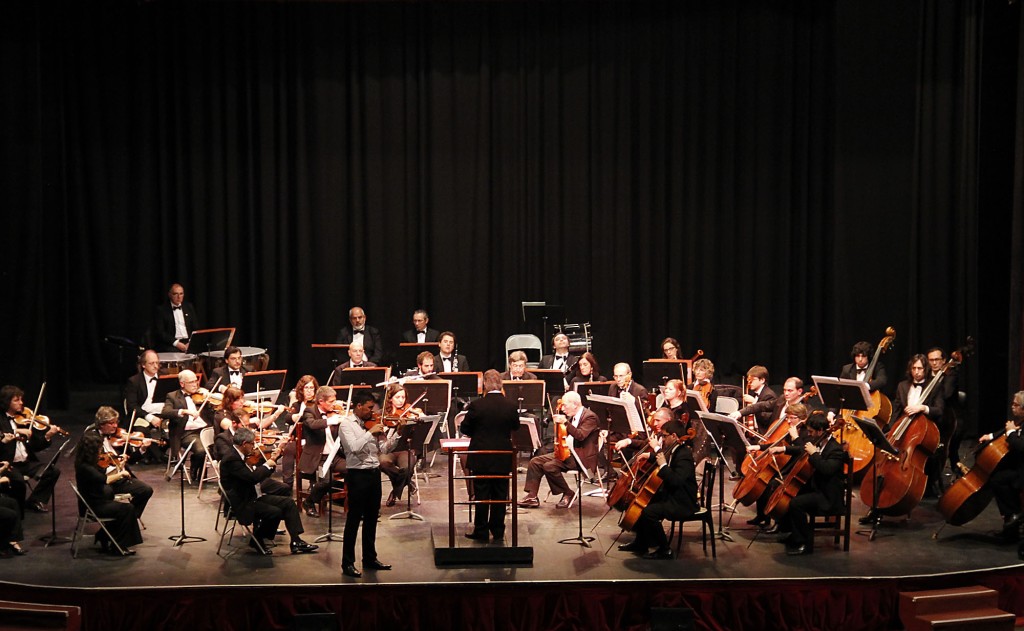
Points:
x=359, y=331
x=580, y=434
x=184, y=420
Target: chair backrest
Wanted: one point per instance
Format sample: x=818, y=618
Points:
x=458, y=421
x=84, y=510
x=725, y=405
x=206, y=439
x=707, y=485
x=525, y=342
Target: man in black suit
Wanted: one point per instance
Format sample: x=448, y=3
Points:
x=624, y=385
x=560, y=359
x=265, y=512
x=448, y=359
x=582, y=425
x=357, y=330
x=858, y=369
x=230, y=373
x=675, y=498
x=1007, y=480
x=22, y=453
x=758, y=392
x=420, y=333
x=489, y=422
x=139, y=400
x=184, y=420
x=223, y=445
x=950, y=432
x=173, y=322
x=517, y=368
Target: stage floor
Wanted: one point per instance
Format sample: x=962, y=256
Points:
x=902, y=549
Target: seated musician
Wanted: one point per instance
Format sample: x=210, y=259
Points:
x=94, y=483
x=670, y=348
x=580, y=424
x=299, y=399
x=356, y=359
x=631, y=445
x=822, y=494
x=560, y=359
x=138, y=399
x=674, y=398
x=1007, y=480
x=448, y=358
x=517, y=368
x=424, y=366
x=19, y=447
x=676, y=496
x=234, y=402
x=759, y=393
x=230, y=419
x=106, y=425
x=625, y=388
x=320, y=425
x=400, y=462
x=794, y=418
x=586, y=369
x=173, y=322
x=265, y=511
x=703, y=376
x=11, y=532
x=230, y=374
x=185, y=418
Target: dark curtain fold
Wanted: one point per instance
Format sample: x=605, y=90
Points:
x=703, y=170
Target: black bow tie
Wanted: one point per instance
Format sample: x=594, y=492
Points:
x=235, y=372
x=357, y=331
x=152, y=379
x=175, y=307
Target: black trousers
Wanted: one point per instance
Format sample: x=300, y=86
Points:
x=139, y=490
x=490, y=516
x=270, y=510
x=44, y=488
x=364, y=491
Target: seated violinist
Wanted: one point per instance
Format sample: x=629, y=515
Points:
x=400, y=462
x=577, y=427
x=676, y=496
x=266, y=511
x=22, y=440
x=1007, y=480
x=94, y=483
x=703, y=374
x=822, y=494
x=185, y=417
x=112, y=446
x=319, y=434
x=255, y=417
x=795, y=416
x=232, y=418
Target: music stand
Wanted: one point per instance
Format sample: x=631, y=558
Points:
x=407, y=352
x=265, y=382
x=525, y=437
x=166, y=384
x=52, y=538
x=554, y=380
x=464, y=384
x=207, y=340
x=435, y=398
x=623, y=416
x=182, y=539
x=409, y=432
x=534, y=311
x=724, y=427
x=362, y=376
x=586, y=388
x=528, y=393
x=878, y=438
x=342, y=391
x=326, y=358
x=581, y=470
x=657, y=372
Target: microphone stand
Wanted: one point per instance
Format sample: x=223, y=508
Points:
x=182, y=539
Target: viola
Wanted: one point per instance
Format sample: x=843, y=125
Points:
x=561, y=441
x=109, y=459
x=705, y=389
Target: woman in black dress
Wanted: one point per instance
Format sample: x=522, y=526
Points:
x=94, y=485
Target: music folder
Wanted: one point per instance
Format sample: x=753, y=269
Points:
x=623, y=416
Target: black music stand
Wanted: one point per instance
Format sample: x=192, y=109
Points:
x=182, y=539
x=362, y=376
x=657, y=372
x=327, y=357
x=341, y=392
x=264, y=381
x=581, y=471
x=407, y=352
x=465, y=385
x=52, y=538
x=544, y=313
x=435, y=398
x=554, y=380
x=586, y=388
x=623, y=417
x=878, y=438
x=209, y=340
x=409, y=432
x=527, y=393
x=166, y=384
x=719, y=426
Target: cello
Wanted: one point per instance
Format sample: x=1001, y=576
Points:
x=861, y=449
x=798, y=476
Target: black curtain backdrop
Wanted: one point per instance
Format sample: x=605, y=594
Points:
x=767, y=181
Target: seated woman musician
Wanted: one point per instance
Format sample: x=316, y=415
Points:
x=703, y=375
x=673, y=397
x=94, y=483
x=586, y=369
x=255, y=416
x=302, y=397
x=400, y=463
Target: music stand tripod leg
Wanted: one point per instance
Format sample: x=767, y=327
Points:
x=579, y=539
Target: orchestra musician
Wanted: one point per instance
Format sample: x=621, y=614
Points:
x=794, y=417
x=234, y=402
x=858, y=369
x=299, y=399
x=775, y=408
x=490, y=422
x=106, y=425
x=676, y=497
x=231, y=373
x=581, y=425
x=11, y=531
x=670, y=348
x=185, y=419
x=703, y=382
x=424, y=366
x=358, y=331
x=517, y=368
x=363, y=482
x=560, y=359
x=264, y=511
x=447, y=359
x=822, y=494
x=21, y=453
x=138, y=398
x=1007, y=480
x=173, y=322
x=356, y=358
x=586, y=369
x=624, y=387
x=661, y=416
x=674, y=399
x=950, y=433
x=95, y=485
x=758, y=392
x=400, y=463
x=320, y=424
x=420, y=333
x=230, y=419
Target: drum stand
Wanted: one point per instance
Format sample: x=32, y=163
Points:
x=182, y=539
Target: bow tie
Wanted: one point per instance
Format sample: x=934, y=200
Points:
x=152, y=380
x=918, y=384
x=234, y=373
x=354, y=331
x=175, y=307
x=562, y=358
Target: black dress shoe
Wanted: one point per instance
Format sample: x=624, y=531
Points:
x=660, y=553
x=17, y=549
x=350, y=570
x=310, y=509
x=758, y=521
x=477, y=535
x=633, y=547
x=795, y=551
x=301, y=547
x=375, y=564
x=37, y=507
x=391, y=499
x=770, y=530
x=498, y=534
x=867, y=520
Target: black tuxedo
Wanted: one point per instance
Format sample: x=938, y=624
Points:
x=120, y=519
x=222, y=373
x=548, y=362
x=266, y=511
x=821, y=495
x=489, y=422
x=763, y=408
x=462, y=364
x=176, y=429
x=877, y=380
x=935, y=403
x=372, y=344
x=314, y=435
x=675, y=498
x=432, y=335
x=135, y=393
x=223, y=446
x=162, y=331
x=20, y=471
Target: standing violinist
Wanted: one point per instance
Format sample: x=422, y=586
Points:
x=139, y=400
x=675, y=498
x=319, y=431
x=185, y=418
x=19, y=447
x=231, y=418
x=580, y=425
x=822, y=494
x=400, y=463
x=106, y=425
x=1007, y=480
x=95, y=485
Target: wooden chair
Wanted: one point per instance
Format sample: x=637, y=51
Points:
x=838, y=524
x=704, y=514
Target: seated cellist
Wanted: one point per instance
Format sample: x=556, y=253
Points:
x=675, y=498
x=796, y=415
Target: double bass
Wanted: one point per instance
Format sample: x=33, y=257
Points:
x=861, y=449
x=968, y=496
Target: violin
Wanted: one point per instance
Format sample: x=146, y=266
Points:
x=27, y=418
x=258, y=456
x=134, y=439
x=253, y=408
x=401, y=416
x=109, y=459
x=215, y=399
